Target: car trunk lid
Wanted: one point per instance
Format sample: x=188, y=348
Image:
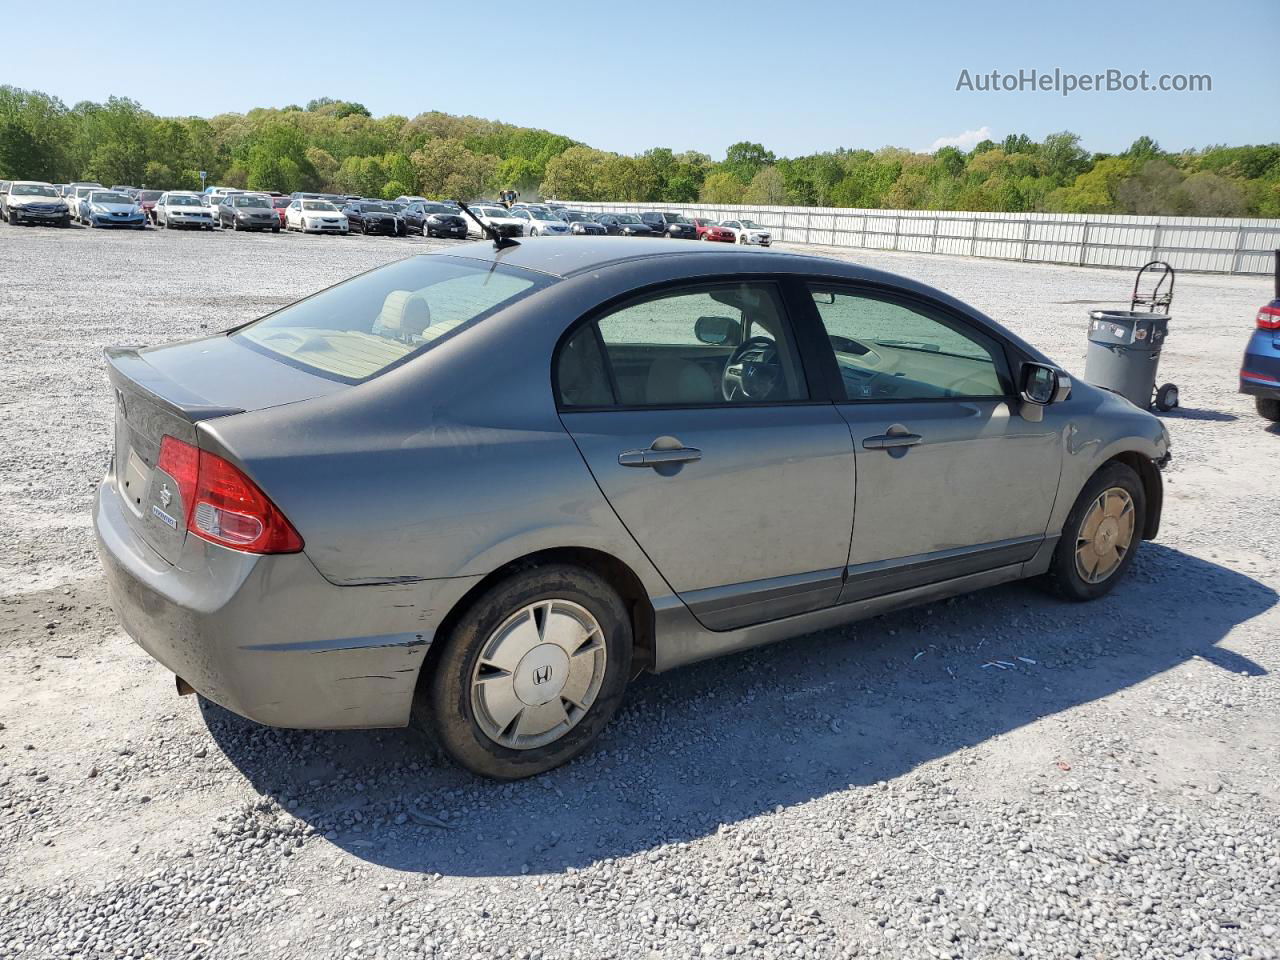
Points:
x=169, y=391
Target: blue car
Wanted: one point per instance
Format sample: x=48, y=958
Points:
x=1260, y=371
x=112, y=208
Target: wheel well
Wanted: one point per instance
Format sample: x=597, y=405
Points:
x=1152, y=486
x=620, y=576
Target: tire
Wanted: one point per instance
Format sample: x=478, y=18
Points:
x=1166, y=397
x=275, y=229
x=1268, y=408
x=1065, y=572
x=446, y=707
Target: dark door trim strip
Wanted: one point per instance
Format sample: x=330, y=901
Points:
x=879, y=577
x=757, y=601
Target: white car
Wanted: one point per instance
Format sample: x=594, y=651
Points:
x=748, y=232
x=505, y=221
x=180, y=208
x=34, y=201
x=78, y=193
x=315, y=216
x=541, y=222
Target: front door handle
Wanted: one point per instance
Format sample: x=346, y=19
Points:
x=664, y=452
x=891, y=441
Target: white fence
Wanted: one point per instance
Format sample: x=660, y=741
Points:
x=1197, y=244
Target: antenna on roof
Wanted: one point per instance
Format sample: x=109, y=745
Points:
x=499, y=241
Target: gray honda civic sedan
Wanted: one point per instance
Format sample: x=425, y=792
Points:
x=478, y=491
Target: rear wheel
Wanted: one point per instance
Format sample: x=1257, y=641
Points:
x=1268, y=408
x=530, y=674
x=1101, y=534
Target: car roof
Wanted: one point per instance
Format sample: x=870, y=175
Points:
x=561, y=259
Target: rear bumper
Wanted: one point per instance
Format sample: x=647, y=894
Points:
x=1260, y=369
x=268, y=637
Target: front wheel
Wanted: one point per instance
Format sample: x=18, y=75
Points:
x=1167, y=397
x=1268, y=408
x=1101, y=534
x=530, y=674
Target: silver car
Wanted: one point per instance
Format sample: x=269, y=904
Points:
x=479, y=491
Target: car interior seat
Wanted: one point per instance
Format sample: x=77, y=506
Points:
x=404, y=316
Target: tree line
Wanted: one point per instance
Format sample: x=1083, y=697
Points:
x=339, y=146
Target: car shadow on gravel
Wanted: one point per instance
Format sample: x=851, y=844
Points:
x=1197, y=413
x=727, y=740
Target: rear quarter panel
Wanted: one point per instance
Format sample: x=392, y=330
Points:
x=449, y=466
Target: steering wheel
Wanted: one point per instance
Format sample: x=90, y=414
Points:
x=753, y=371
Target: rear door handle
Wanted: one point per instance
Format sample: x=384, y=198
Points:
x=890, y=441
x=659, y=457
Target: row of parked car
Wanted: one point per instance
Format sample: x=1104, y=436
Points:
x=94, y=205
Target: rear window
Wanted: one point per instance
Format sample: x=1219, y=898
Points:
x=375, y=321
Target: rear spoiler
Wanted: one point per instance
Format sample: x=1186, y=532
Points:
x=128, y=370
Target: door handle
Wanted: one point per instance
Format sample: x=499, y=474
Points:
x=891, y=441
x=670, y=452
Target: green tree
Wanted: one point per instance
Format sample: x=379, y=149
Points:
x=745, y=159
x=722, y=189
x=445, y=169
x=767, y=188
x=576, y=175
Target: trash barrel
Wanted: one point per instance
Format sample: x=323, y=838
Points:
x=1124, y=352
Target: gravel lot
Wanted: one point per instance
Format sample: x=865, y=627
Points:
x=870, y=791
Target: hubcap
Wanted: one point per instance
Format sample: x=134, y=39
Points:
x=538, y=674
x=1105, y=536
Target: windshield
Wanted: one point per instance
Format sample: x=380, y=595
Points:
x=319, y=206
x=377, y=208
x=245, y=201
x=178, y=200
x=372, y=322
x=543, y=215
x=150, y=195
x=751, y=225
x=436, y=208
x=280, y=202
x=494, y=212
x=106, y=196
x=675, y=218
x=32, y=190
x=629, y=218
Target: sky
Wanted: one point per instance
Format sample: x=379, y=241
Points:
x=797, y=76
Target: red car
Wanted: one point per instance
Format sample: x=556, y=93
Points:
x=711, y=230
x=281, y=204
x=147, y=201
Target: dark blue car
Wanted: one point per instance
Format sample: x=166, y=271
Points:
x=1260, y=371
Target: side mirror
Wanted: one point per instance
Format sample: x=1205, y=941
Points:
x=718, y=331
x=1042, y=385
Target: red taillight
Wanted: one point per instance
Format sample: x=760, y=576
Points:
x=224, y=506
x=1269, y=318
x=182, y=462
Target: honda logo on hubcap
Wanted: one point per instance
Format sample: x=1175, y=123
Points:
x=542, y=675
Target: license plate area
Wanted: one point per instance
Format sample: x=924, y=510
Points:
x=134, y=482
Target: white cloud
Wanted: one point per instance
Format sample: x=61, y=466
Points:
x=965, y=141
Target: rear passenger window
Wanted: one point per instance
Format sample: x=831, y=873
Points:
x=581, y=378
x=722, y=344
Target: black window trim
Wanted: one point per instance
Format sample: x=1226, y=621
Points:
x=818, y=392
x=1006, y=361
